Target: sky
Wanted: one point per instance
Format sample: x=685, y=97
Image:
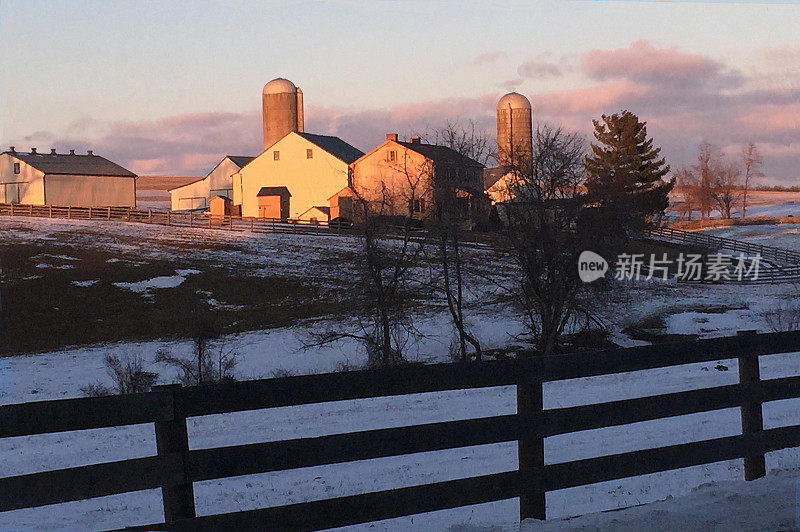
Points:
x=170, y=87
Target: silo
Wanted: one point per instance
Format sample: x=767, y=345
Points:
x=514, y=131
x=283, y=110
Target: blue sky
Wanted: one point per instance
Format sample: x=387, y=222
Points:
x=82, y=72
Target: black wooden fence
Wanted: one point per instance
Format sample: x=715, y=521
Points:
x=176, y=467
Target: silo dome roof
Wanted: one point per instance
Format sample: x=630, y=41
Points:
x=279, y=86
x=514, y=100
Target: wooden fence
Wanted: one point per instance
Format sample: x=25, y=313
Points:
x=176, y=467
x=204, y=220
x=180, y=218
x=703, y=240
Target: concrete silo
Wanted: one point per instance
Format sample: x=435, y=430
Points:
x=283, y=110
x=514, y=131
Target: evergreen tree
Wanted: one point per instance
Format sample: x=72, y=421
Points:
x=625, y=176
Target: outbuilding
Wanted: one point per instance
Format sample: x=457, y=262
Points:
x=64, y=179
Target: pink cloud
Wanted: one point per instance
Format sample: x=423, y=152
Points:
x=489, y=58
x=643, y=62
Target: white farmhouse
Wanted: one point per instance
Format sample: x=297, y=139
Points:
x=64, y=179
x=311, y=168
x=196, y=195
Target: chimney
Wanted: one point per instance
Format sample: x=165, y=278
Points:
x=33, y=151
x=13, y=150
x=415, y=140
x=72, y=152
x=52, y=151
x=391, y=136
x=89, y=152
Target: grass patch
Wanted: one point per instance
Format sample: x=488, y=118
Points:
x=43, y=309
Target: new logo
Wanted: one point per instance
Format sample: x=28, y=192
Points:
x=591, y=266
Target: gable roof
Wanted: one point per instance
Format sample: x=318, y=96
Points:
x=273, y=191
x=335, y=146
x=492, y=176
x=240, y=160
x=321, y=208
x=438, y=153
x=60, y=163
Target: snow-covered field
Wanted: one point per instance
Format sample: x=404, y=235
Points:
x=704, y=310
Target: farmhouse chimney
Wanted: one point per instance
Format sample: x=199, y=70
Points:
x=52, y=151
x=391, y=136
x=13, y=150
x=72, y=152
x=89, y=152
x=415, y=140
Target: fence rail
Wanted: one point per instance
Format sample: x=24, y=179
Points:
x=699, y=239
x=204, y=220
x=176, y=467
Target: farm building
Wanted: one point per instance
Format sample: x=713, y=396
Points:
x=405, y=174
x=196, y=195
x=310, y=167
x=64, y=179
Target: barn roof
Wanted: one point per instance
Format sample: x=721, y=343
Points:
x=438, y=153
x=335, y=146
x=273, y=191
x=240, y=160
x=61, y=163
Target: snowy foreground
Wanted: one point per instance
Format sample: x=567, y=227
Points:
x=769, y=503
x=725, y=502
x=35, y=453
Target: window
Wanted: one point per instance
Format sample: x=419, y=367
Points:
x=309, y=154
x=16, y=168
x=392, y=155
x=276, y=156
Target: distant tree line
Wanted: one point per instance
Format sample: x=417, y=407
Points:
x=718, y=181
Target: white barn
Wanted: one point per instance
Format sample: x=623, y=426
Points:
x=196, y=195
x=64, y=179
x=311, y=167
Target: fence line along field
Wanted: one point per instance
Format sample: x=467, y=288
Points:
x=177, y=466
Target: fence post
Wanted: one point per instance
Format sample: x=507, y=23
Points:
x=752, y=417
x=172, y=437
x=50, y=211
x=251, y=224
x=108, y=213
x=530, y=448
x=69, y=212
x=12, y=209
x=149, y=216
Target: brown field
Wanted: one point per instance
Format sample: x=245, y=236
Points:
x=163, y=182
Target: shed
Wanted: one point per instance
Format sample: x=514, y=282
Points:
x=273, y=202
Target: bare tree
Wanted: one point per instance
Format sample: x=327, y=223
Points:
x=704, y=171
x=686, y=184
x=466, y=139
x=752, y=161
x=545, y=236
x=451, y=204
x=725, y=186
x=383, y=275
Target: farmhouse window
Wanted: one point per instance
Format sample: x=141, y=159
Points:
x=309, y=154
x=276, y=156
x=16, y=168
